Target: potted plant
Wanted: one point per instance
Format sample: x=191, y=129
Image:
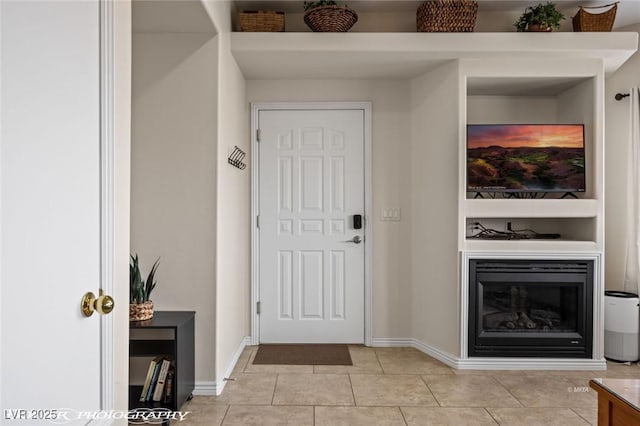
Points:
x=140, y=306
x=327, y=16
x=540, y=18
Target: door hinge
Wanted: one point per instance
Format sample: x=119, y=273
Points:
x=258, y=221
x=258, y=135
x=258, y=308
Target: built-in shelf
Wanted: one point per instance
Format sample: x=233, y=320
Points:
x=407, y=55
x=559, y=245
x=518, y=208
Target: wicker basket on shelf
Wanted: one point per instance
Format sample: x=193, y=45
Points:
x=338, y=19
x=261, y=20
x=141, y=311
x=603, y=22
x=448, y=16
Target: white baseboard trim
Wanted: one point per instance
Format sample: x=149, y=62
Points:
x=531, y=364
x=205, y=389
x=216, y=388
x=493, y=363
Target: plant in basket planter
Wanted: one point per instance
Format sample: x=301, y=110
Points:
x=327, y=16
x=541, y=18
x=140, y=307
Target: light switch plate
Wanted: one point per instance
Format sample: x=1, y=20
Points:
x=392, y=214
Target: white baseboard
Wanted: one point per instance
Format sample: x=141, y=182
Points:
x=205, y=389
x=531, y=364
x=493, y=363
x=216, y=388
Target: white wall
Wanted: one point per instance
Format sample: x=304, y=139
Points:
x=174, y=164
x=233, y=192
x=391, y=156
x=511, y=109
x=617, y=150
x=435, y=298
x=233, y=214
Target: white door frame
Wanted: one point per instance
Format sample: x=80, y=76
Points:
x=107, y=204
x=255, y=193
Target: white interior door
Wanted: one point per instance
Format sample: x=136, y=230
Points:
x=50, y=198
x=311, y=184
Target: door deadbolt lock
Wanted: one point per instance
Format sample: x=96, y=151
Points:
x=103, y=304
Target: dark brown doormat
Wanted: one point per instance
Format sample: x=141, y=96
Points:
x=303, y=354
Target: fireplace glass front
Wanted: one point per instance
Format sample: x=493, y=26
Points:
x=530, y=308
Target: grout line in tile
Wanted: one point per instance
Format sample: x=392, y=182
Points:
x=403, y=417
x=491, y=415
x=314, y=415
x=225, y=414
x=275, y=386
x=503, y=386
x=379, y=363
x=429, y=389
x=353, y=394
x=578, y=414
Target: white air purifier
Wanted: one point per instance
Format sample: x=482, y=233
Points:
x=621, y=326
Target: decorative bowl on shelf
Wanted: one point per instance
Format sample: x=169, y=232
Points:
x=330, y=18
x=447, y=16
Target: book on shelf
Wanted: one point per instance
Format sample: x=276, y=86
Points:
x=160, y=383
x=147, y=381
x=168, y=394
x=154, y=379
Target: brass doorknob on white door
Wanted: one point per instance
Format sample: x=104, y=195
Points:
x=356, y=240
x=103, y=304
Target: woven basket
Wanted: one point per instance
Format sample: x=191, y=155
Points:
x=260, y=20
x=447, y=16
x=141, y=311
x=335, y=19
x=603, y=22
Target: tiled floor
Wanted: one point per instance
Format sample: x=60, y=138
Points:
x=399, y=386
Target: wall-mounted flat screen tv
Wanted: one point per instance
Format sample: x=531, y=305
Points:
x=525, y=158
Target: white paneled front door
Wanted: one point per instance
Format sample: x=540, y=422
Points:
x=311, y=184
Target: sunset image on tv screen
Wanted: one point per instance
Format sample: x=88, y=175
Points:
x=531, y=157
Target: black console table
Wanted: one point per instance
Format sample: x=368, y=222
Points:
x=169, y=334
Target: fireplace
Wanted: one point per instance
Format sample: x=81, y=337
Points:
x=530, y=308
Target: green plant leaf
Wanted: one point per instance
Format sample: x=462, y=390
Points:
x=151, y=284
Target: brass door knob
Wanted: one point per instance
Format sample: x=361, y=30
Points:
x=103, y=304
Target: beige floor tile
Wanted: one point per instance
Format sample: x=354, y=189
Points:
x=469, y=391
x=364, y=362
x=276, y=368
x=313, y=389
x=353, y=416
x=486, y=372
x=589, y=414
x=409, y=362
x=536, y=416
x=549, y=391
x=622, y=371
x=202, y=413
x=268, y=415
x=390, y=390
x=243, y=360
x=248, y=389
x=442, y=416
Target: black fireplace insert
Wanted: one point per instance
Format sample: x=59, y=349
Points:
x=530, y=308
